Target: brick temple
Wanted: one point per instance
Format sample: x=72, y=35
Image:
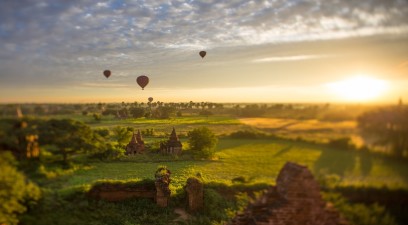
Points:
x=136, y=144
x=173, y=146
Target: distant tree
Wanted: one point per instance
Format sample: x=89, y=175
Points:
x=39, y=110
x=15, y=190
x=137, y=112
x=205, y=113
x=252, y=110
x=97, y=117
x=388, y=127
x=202, y=142
x=123, y=112
x=219, y=105
x=164, y=112
x=68, y=137
x=101, y=106
x=110, y=111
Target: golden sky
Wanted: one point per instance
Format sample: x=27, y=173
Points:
x=257, y=51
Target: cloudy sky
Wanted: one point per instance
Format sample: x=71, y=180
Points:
x=257, y=51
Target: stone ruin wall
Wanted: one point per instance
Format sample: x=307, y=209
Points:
x=115, y=193
x=158, y=190
x=195, y=194
x=294, y=200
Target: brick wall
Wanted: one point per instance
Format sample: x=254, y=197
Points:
x=115, y=193
x=295, y=200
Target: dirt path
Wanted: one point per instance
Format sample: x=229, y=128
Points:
x=183, y=215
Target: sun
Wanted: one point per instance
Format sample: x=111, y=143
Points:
x=358, y=88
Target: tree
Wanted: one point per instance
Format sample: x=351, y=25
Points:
x=164, y=112
x=15, y=190
x=137, y=112
x=388, y=127
x=202, y=142
x=122, y=135
x=68, y=137
x=97, y=117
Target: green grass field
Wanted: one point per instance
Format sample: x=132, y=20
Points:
x=311, y=130
x=258, y=161
x=219, y=124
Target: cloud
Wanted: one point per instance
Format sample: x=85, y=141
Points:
x=290, y=58
x=105, y=85
x=69, y=40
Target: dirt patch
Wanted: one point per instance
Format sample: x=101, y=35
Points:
x=183, y=215
x=292, y=124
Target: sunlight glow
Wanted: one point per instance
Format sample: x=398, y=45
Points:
x=359, y=88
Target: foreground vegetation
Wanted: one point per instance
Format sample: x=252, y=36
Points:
x=232, y=170
x=249, y=154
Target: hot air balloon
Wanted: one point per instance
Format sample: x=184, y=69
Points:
x=142, y=81
x=150, y=99
x=107, y=73
x=202, y=54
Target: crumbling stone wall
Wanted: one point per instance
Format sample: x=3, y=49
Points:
x=294, y=200
x=195, y=194
x=115, y=193
x=162, y=183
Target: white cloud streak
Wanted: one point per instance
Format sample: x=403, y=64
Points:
x=290, y=58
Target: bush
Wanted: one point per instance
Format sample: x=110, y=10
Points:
x=360, y=214
x=110, y=153
x=97, y=117
x=213, y=203
x=202, y=142
x=16, y=192
x=342, y=143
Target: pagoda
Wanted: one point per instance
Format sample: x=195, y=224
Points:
x=173, y=146
x=136, y=144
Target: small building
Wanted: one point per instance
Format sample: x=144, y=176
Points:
x=136, y=144
x=173, y=146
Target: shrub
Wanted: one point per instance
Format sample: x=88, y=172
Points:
x=342, y=143
x=360, y=213
x=16, y=192
x=202, y=142
x=110, y=153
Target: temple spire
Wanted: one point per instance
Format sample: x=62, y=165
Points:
x=173, y=135
x=139, y=137
x=133, y=138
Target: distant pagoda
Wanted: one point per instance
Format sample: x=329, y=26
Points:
x=173, y=146
x=136, y=144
